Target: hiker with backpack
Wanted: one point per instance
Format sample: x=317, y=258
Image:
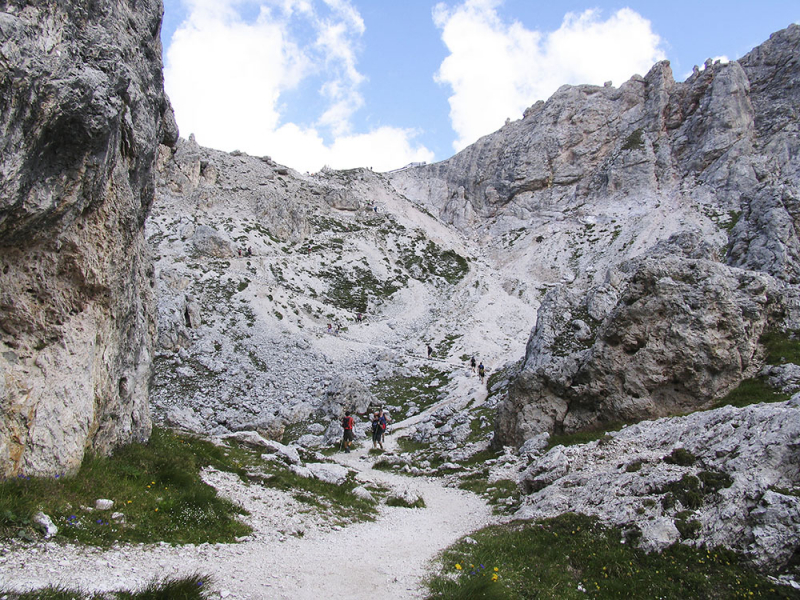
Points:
x=472, y=364
x=481, y=371
x=347, y=425
x=377, y=430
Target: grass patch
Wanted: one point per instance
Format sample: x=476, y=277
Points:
x=156, y=486
x=583, y=437
x=406, y=444
x=404, y=503
x=781, y=347
x=574, y=556
x=682, y=457
x=497, y=493
x=335, y=500
x=421, y=390
x=751, y=391
x=191, y=587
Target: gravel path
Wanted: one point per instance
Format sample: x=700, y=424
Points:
x=292, y=554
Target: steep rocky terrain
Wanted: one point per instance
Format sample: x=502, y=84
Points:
x=641, y=239
x=700, y=176
x=82, y=110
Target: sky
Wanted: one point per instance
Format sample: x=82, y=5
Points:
x=383, y=83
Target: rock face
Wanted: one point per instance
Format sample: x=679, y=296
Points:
x=665, y=334
x=721, y=144
x=726, y=477
x=701, y=176
x=82, y=110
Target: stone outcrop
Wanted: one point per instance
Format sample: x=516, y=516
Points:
x=665, y=334
x=726, y=477
x=82, y=110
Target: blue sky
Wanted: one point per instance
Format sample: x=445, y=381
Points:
x=381, y=83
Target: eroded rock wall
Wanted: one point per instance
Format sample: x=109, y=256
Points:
x=665, y=334
x=82, y=111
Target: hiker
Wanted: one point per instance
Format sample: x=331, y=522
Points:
x=249, y=251
x=430, y=351
x=377, y=431
x=383, y=419
x=481, y=371
x=347, y=425
x=472, y=364
x=330, y=328
x=240, y=252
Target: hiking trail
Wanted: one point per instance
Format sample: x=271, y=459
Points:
x=388, y=557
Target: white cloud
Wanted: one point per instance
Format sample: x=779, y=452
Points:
x=230, y=64
x=497, y=69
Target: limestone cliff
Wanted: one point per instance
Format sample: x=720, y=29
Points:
x=699, y=176
x=82, y=111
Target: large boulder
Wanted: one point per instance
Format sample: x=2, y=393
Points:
x=668, y=334
x=82, y=110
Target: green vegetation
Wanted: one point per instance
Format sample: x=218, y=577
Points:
x=584, y=437
x=691, y=491
x=157, y=487
x=403, y=503
x=751, y=391
x=574, y=556
x=682, y=457
x=352, y=290
x=431, y=260
x=635, y=141
x=781, y=347
x=191, y=587
x=503, y=494
x=421, y=390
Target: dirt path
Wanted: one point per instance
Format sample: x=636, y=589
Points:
x=386, y=558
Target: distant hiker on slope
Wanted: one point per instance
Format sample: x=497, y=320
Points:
x=430, y=351
x=347, y=425
x=377, y=430
x=472, y=364
x=481, y=371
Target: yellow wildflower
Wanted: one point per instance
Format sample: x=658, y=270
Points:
x=494, y=577
x=458, y=567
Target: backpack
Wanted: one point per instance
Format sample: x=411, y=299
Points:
x=382, y=422
x=347, y=422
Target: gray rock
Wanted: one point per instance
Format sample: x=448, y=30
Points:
x=311, y=441
x=785, y=378
x=83, y=113
x=103, y=504
x=46, y=523
x=742, y=458
x=185, y=418
x=329, y=473
x=211, y=242
x=683, y=333
x=363, y=493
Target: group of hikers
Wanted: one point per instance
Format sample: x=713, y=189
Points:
x=481, y=370
x=379, y=421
